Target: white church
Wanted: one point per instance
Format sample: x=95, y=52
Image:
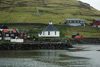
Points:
x=49, y=31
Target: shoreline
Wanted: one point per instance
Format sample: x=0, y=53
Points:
x=35, y=46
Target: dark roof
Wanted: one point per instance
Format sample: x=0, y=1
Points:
x=3, y=27
x=50, y=27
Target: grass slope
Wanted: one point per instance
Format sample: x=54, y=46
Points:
x=65, y=32
x=25, y=11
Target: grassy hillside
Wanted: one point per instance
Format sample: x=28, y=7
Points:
x=25, y=11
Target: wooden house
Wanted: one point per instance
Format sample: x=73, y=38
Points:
x=75, y=22
x=96, y=22
x=50, y=31
x=9, y=34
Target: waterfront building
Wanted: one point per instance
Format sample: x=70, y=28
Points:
x=75, y=22
x=96, y=22
x=50, y=31
x=9, y=34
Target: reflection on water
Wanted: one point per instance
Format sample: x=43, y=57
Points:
x=52, y=58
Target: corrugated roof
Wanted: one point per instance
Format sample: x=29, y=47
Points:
x=50, y=27
x=97, y=19
x=75, y=19
x=7, y=30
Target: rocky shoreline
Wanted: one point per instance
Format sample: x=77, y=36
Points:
x=35, y=46
x=48, y=44
x=86, y=41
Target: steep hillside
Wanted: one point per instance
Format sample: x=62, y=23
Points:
x=41, y=11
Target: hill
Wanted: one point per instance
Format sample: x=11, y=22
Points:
x=41, y=11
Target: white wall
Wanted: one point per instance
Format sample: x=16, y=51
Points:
x=17, y=40
x=0, y=38
x=74, y=24
x=96, y=26
x=52, y=34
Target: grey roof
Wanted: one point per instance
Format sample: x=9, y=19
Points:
x=50, y=27
x=73, y=19
x=97, y=19
x=76, y=19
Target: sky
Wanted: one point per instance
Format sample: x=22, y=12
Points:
x=93, y=3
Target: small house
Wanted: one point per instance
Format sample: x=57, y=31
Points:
x=96, y=22
x=9, y=34
x=50, y=31
x=78, y=36
x=74, y=34
x=75, y=22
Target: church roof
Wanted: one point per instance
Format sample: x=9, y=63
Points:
x=50, y=27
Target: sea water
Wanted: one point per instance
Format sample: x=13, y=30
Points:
x=88, y=57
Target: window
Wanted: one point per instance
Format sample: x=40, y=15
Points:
x=7, y=35
x=12, y=34
x=48, y=32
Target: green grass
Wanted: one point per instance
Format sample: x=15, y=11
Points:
x=55, y=10
x=65, y=32
x=49, y=14
x=84, y=31
x=4, y=42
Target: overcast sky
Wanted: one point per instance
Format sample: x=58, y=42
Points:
x=93, y=3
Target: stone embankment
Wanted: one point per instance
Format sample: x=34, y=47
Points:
x=86, y=41
x=35, y=46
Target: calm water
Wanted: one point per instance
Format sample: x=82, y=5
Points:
x=89, y=57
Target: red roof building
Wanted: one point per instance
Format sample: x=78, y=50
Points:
x=96, y=22
x=9, y=34
x=78, y=36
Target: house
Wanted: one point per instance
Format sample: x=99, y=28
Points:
x=96, y=22
x=74, y=34
x=78, y=36
x=21, y=33
x=75, y=22
x=50, y=31
x=9, y=34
